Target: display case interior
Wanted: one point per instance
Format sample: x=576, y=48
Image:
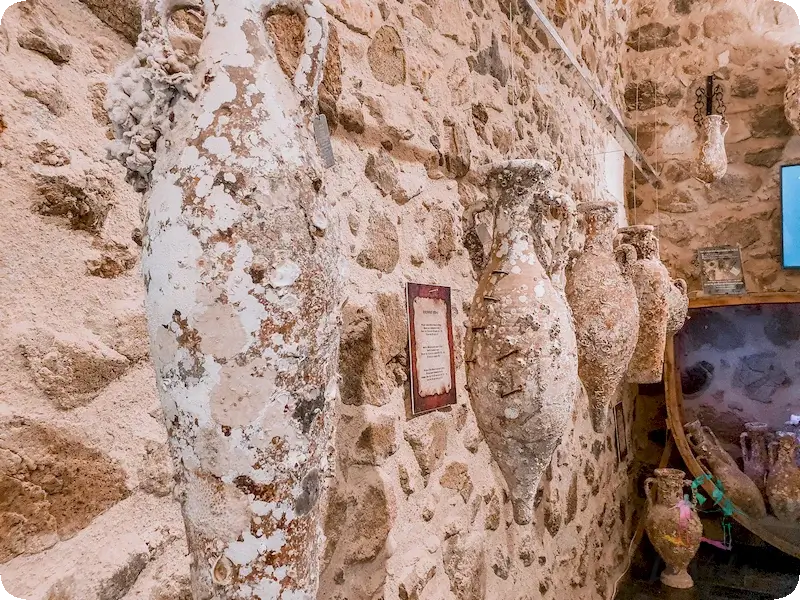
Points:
x=733, y=396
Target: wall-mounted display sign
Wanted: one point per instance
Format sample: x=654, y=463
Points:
x=790, y=216
x=430, y=344
x=721, y=270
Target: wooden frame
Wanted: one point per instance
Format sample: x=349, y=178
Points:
x=674, y=399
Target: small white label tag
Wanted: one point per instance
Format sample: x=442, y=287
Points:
x=323, y=135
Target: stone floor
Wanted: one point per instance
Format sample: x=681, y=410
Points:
x=745, y=573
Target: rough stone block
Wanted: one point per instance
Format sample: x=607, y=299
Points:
x=123, y=16
x=653, y=36
x=381, y=248
x=456, y=477
x=50, y=154
x=84, y=198
x=769, y=121
x=360, y=16
x=376, y=442
x=381, y=170
x=115, y=260
x=51, y=486
x=46, y=42
x=156, y=474
x=429, y=445
x=386, y=56
x=71, y=369
x=464, y=560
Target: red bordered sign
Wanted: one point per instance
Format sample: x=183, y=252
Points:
x=430, y=347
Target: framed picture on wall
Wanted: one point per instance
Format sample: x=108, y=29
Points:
x=430, y=345
x=790, y=216
x=721, y=270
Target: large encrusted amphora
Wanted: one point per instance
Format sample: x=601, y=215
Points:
x=522, y=368
x=603, y=301
x=241, y=269
x=652, y=283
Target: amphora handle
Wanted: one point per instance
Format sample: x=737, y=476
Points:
x=648, y=489
x=625, y=255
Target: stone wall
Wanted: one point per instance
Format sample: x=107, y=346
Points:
x=419, y=508
x=672, y=47
x=86, y=506
x=419, y=96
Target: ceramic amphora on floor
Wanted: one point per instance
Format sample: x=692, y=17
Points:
x=672, y=525
x=522, y=362
x=603, y=301
x=737, y=486
x=783, y=482
x=652, y=283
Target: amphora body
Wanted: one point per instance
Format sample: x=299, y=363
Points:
x=241, y=271
x=755, y=453
x=741, y=490
x=678, y=300
x=783, y=481
x=672, y=525
x=522, y=362
x=652, y=283
x=605, y=308
x=712, y=162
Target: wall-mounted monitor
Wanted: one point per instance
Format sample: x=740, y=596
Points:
x=790, y=216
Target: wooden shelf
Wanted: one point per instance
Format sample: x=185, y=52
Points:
x=768, y=529
x=744, y=300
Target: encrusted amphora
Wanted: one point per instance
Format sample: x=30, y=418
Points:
x=522, y=361
x=604, y=305
x=672, y=525
x=712, y=161
x=755, y=443
x=783, y=481
x=678, y=299
x=741, y=490
x=652, y=283
x=242, y=277
x=791, y=99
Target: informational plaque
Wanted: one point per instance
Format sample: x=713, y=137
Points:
x=621, y=432
x=721, y=271
x=430, y=340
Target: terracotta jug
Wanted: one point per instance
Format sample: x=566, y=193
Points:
x=737, y=486
x=678, y=299
x=755, y=455
x=791, y=98
x=712, y=162
x=241, y=265
x=604, y=305
x=672, y=525
x=522, y=361
x=783, y=482
x=652, y=283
